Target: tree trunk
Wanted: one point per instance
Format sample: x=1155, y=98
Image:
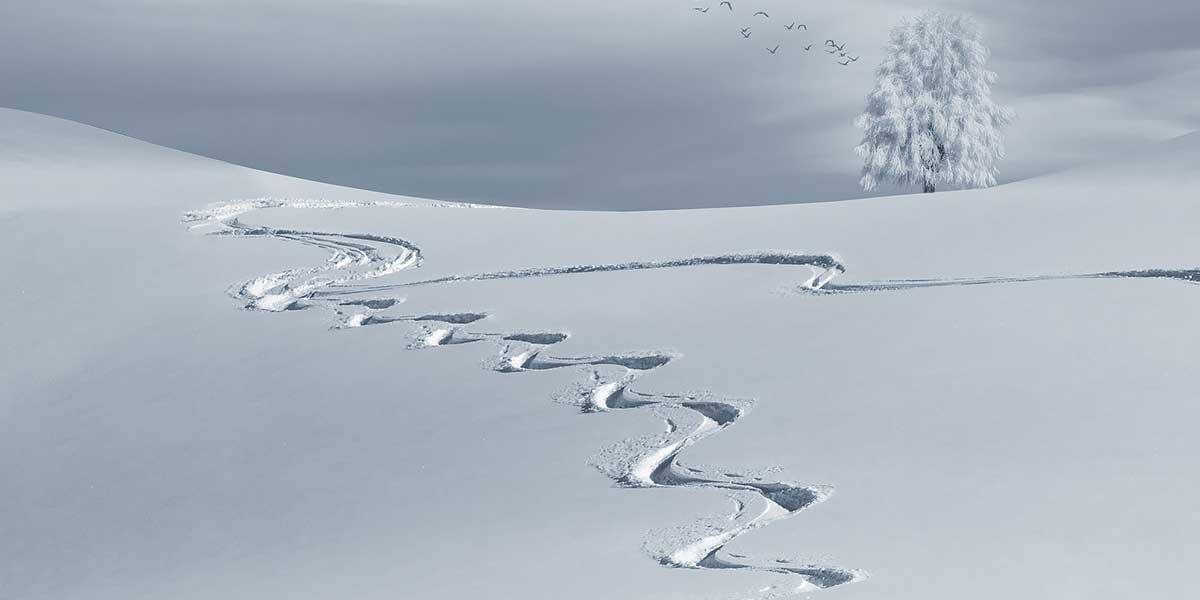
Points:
x=929, y=188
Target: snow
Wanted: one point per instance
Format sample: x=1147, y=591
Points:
x=438, y=337
x=998, y=387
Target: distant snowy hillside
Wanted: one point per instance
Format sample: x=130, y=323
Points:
x=223, y=383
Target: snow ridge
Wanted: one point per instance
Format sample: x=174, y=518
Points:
x=646, y=462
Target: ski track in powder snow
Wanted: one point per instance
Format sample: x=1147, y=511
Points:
x=645, y=462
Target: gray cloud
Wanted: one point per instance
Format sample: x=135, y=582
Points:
x=620, y=104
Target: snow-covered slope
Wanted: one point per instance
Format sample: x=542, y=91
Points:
x=218, y=382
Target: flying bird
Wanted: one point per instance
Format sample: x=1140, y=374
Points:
x=746, y=34
x=830, y=51
x=790, y=27
x=703, y=10
x=808, y=47
x=745, y=29
x=773, y=50
x=844, y=62
x=761, y=13
x=852, y=58
x=728, y=4
x=842, y=54
x=803, y=26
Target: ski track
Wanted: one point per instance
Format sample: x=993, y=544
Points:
x=645, y=462
x=654, y=462
x=1189, y=275
x=825, y=267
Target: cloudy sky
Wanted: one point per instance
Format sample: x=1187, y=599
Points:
x=608, y=104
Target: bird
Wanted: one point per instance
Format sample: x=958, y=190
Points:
x=790, y=27
x=852, y=58
x=773, y=50
x=830, y=51
x=761, y=13
x=808, y=47
x=839, y=47
x=802, y=26
x=703, y=10
x=844, y=62
x=745, y=29
x=727, y=4
x=746, y=34
x=842, y=54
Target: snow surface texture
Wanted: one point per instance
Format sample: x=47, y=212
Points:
x=1000, y=385
x=651, y=461
x=644, y=462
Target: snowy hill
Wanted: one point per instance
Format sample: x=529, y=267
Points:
x=219, y=382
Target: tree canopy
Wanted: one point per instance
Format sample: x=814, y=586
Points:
x=930, y=118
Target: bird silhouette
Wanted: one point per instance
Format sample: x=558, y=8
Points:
x=831, y=46
x=852, y=58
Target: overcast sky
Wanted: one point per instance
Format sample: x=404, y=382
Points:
x=607, y=104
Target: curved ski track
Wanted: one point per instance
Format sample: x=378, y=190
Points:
x=645, y=462
x=649, y=462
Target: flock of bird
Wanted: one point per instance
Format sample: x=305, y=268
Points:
x=830, y=46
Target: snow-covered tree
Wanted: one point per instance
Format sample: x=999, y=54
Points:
x=931, y=118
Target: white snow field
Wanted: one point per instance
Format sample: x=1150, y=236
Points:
x=222, y=383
